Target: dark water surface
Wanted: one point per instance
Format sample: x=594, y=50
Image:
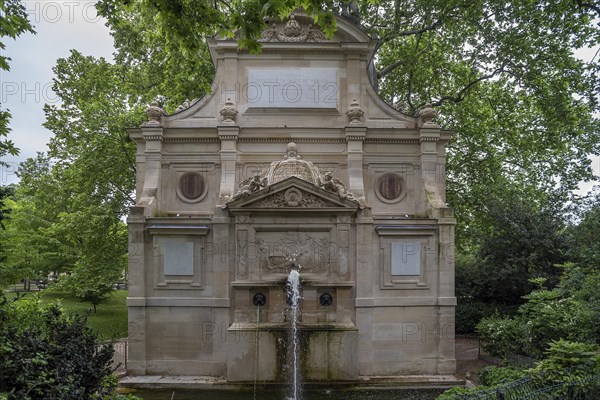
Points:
x=324, y=394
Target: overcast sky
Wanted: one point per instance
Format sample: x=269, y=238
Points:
x=62, y=26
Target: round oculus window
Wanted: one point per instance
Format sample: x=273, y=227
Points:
x=192, y=186
x=390, y=188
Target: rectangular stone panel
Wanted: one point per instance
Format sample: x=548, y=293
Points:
x=406, y=258
x=292, y=88
x=314, y=251
x=178, y=256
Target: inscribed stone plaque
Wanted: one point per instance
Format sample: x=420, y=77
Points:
x=406, y=259
x=178, y=256
x=292, y=88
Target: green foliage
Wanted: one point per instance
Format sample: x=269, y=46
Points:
x=469, y=312
x=492, y=375
x=13, y=23
x=545, y=317
x=584, y=243
x=501, y=335
x=526, y=242
x=65, y=223
x=568, y=312
x=563, y=354
x=110, y=322
x=47, y=354
x=569, y=369
x=520, y=251
x=548, y=316
x=185, y=23
x=31, y=252
x=453, y=393
x=569, y=362
x=5, y=193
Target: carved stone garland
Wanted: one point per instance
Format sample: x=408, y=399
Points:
x=292, y=32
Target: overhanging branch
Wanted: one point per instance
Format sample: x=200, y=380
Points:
x=410, y=32
x=389, y=68
x=591, y=6
x=463, y=92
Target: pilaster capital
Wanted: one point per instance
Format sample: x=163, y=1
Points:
x=228, y=132
x=136, y=215
x=355, y=133
x=152, y=133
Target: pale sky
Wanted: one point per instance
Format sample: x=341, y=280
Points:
x=62, y=26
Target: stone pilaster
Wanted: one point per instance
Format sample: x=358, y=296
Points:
x=355, y=135
x=136, y=355
x=228, y=136
x=149, y=199
x=429, y=134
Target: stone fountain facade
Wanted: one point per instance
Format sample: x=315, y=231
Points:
x=293, y=155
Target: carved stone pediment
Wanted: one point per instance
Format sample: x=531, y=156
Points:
x=292, y=193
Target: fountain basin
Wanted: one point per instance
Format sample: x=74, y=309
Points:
x=328, y=352
x=274, y=394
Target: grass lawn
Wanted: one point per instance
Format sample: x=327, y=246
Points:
x=110, y=320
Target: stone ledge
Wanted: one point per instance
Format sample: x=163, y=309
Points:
x=410, y=381
x=176, y=381
x=363, y=382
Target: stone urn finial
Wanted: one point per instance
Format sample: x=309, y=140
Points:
x=428, y=114
x=401, y=106
x=291, y=151
x=154, y=113
x=228, y=112
x=355, y=113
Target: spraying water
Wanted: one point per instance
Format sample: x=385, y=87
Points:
x=293, y=288
x=256, y=349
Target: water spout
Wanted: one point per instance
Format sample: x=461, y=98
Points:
x=293, y=288
x=256, y=352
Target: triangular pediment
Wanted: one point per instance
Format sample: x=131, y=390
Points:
x=293, y=193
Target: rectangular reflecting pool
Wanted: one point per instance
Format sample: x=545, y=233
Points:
x=322, y=394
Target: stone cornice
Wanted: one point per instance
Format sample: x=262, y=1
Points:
x=391, y=141
x=287, y=140
x=192, y=140
x=429, y=139
x=153, y=137
x=228, y=137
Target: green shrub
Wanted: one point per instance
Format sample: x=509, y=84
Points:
x=469, y=312
x=453, y=393
x=563, y=356
x=492, y=375
x=548, y=316
x=501, y=335
x=576, y=365
x=47, y=354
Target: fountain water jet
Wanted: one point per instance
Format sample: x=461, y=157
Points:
x=256, y=349
x=293, y=289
